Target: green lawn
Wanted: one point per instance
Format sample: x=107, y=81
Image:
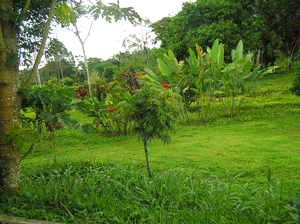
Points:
x=263, y=135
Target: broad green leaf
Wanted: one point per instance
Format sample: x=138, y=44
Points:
x=151, y=73
x=192, y=60
x=240, y=50
x=220, y=62
x=215, y=51
x=152, y=79
x=172, y=57
x=170, y=63
x=247, y=70
x=163, y=68
x=151, y=76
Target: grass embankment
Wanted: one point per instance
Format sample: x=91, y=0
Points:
x=264, y=135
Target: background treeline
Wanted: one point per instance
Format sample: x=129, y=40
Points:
x=266, y=27
x=269, y=30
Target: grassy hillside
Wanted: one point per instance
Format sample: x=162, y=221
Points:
x=263, y=137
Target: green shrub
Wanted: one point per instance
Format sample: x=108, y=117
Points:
x=155, y=110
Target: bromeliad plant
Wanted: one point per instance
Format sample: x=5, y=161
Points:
x=155, y=110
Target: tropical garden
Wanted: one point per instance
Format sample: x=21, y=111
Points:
x=202, y=129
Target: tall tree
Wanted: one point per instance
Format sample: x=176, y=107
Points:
x=16, y=19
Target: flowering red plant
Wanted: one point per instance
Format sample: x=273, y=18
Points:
x=111, y=109
x=165, y=85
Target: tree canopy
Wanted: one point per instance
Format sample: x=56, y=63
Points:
x=267, y=27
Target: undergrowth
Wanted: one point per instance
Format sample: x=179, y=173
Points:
x=114, y=193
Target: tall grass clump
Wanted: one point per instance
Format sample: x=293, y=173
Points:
x=112, y=193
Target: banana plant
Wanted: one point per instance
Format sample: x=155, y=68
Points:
x=206, y=72
x=239, y=78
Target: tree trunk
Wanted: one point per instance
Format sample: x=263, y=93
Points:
x=147, y=158
x=42, y=46
x=37, y=77
x=86, y=66
x=9, y=102
x=76, y=32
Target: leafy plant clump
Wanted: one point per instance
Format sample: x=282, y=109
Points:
x=206, y=78
x=111, y=193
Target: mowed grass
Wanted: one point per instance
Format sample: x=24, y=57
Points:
x=263, y=135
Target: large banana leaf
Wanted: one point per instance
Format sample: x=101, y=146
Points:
x=215, y=51
x=169, y=61
x=220, y=61
x=164, y=68
x=151, y=76
x=172, y=57
x=239, y=50
x=193, y=63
